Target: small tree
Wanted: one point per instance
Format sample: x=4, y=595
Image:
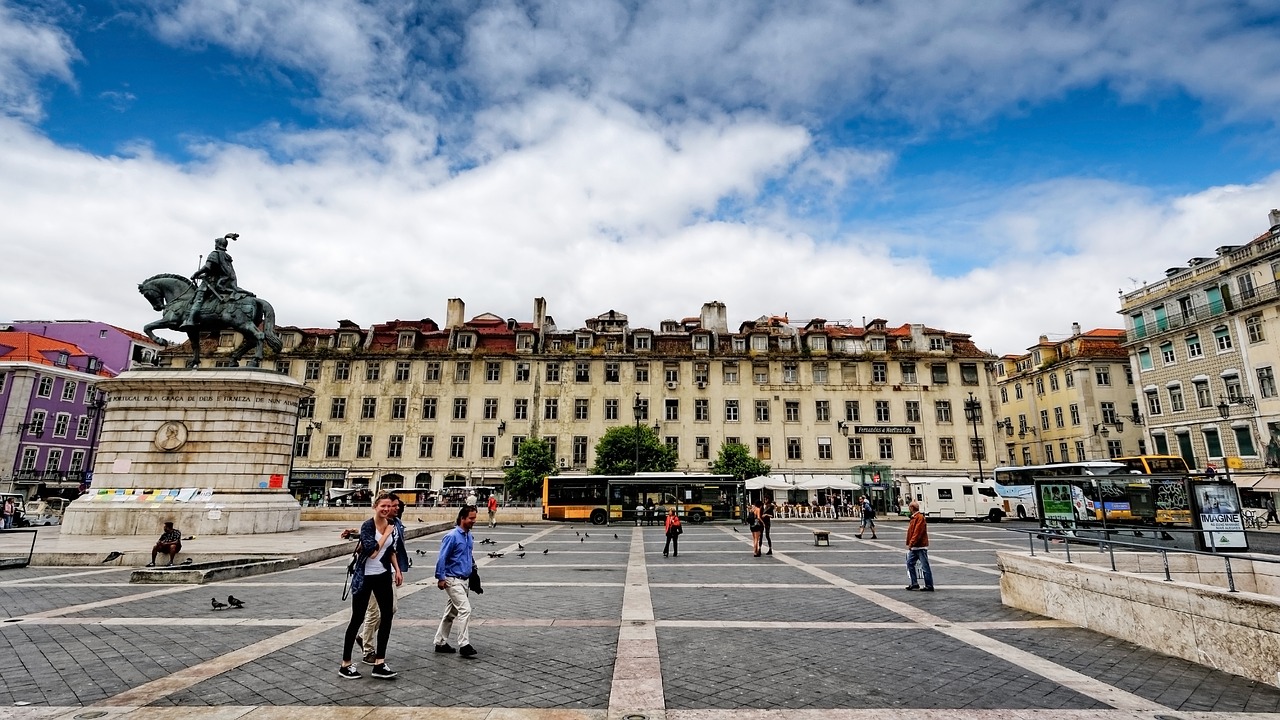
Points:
x=736, y=460
x=534, y=462
x=616, y=452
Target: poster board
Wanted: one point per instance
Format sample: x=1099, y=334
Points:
x=1054, y=503
x=1217, y=513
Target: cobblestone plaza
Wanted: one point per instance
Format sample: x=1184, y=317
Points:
x=601, y=626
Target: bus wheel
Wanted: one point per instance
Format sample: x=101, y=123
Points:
x=1022, y=513
x=598, y=517
x=994, y=516
x=696, y=517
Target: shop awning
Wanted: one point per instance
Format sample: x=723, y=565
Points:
x=1267, y=483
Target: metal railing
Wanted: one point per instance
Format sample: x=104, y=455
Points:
x=1105, y=543
x=12, y=552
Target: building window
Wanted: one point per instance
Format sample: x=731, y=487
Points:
x=701, y=373
x=611, y=409
x=851, y=413
x=978, y=448
x=879, y=372
x=395, y=446
x=790, y=373
x=364, y=446
x=1244, y=440
x=553, y=372
x=1017, y=391
x=520, y=410
x=1108, y=412
x=731, y=411
x=522, y=372
x=1079, y=451
x=791, y=411
x=1044, y=419
x=819, y=373
x=641, y=342
x=673, y=444
x=307, y=407
x=491, y=408
x=404, y=341
x=1058, y=420
x=433, y=371
x=671, y=372
x=302, y=446
x=368, y=408
x=579, y=450
x=908, y=372
x=492, y=371
x=1069, y=378
x=82, y=427
x=1203, y=398
x=886, y=448
x=550, y=409
x=516, y=442
x=333, y=446
x=583, y=342
x=429, y=408
x=1266, y=382
x=882, y=411
x=581, y=409
x=372, y=371
x=969, y=376
x=46, y=387
x=760, y=343
x=739, y=345
x=311, y=370
x=702, y=448
x=1176, y=403
x=1166, y=353
x=426, y=446
x=1194, y=349
x=488, y=446
x=460, y=408
x=1004, y=394
x=1253, y=326
x=1102, y=375
x=338, y=409
x=730, y=372
x=61, y=424
x=1053, y=382
x=913, y=411
x=942, y=410
x=462, y=371
x=946, y=446
x=760, y=374
x=642, y=372
x=855, y=448
x=612, y=372
x=701, y=410
x=1144, y=360
x=582, y=372
x=1048, y=453
x=762, y=449
x=641, y=409
x=69, y=390
x=824, y=448
x=938, y=371
x=466, y=341
x=794, y=449
x=762, y=411
x=822, y=410
x=342, y=370
x=457, y=446
x=1222, y=339
x=672, y=412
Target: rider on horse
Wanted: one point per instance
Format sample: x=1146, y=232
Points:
x=218, y=276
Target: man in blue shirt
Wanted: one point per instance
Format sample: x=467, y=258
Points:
x=453, y=568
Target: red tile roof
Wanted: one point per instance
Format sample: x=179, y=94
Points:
x=33, y=348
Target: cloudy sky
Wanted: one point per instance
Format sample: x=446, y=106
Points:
x=1000, y=168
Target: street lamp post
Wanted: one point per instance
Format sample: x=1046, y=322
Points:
x=635, y=408
x=972, y=410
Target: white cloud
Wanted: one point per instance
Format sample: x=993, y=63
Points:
x=32, y=48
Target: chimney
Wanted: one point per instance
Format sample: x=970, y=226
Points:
x=1044, y=339
x=1274, y=216
x=1075, y=329
x=715, y=317
x=539, y=314
x=453, y=316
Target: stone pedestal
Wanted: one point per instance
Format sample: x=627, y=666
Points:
x=209, y=449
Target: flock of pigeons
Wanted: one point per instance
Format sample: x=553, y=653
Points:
x=231, y=602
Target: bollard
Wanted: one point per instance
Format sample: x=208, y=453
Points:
x=1164, y=554
x=1112, y=550
x=1067, y=541
x=1031, y=540
x=1231, y=581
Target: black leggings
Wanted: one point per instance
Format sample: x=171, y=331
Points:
x=673, y=542
x=380, y=587
x=768, y=539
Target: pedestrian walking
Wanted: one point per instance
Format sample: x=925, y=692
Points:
x=767, y=511
x=918, y=549
x=493, y=511
x=6, y=520
x=377, y=570
x=368, y=636
x=1270, y=504
x=757, y=526
x=868, y=518
x=673, y=531
x=453, y=573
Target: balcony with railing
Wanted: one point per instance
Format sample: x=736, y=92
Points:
x=1197, y=314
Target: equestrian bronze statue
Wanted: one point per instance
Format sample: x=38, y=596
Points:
x=218, y=303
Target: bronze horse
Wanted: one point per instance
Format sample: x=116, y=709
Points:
x=172, y=295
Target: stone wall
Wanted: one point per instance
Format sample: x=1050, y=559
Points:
x=1236, y=632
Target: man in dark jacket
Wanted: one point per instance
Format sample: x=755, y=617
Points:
x=918, y=549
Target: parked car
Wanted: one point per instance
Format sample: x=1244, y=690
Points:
x=46, y=512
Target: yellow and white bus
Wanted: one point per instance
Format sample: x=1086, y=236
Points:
x=613, y=498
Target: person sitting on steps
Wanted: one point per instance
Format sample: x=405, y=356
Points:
x=170, y=543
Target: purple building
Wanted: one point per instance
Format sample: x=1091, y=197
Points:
x=49, y=407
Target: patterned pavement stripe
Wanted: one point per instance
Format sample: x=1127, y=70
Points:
x=56, y=612
x=42, y=578
x=1079, y=682
x=637, y=671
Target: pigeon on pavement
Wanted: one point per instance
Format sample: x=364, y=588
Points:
x=219, y=606
x=545, y=550
x=112, y=556
x=520, y=555
x=519, y=546
x=235, y=602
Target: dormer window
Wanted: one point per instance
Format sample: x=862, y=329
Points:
x=739, y=344
x=555, y=346
x=62, y=359
x=877, y=344
x=701, y=342
x=347, y=340
x=404, y=341
x=818, y=342
x=642, y=342
x=466, y=341
x=290, y=340
x=936, y=343
x=784, y=343
x=583, y=342
x=524, y=341
x=760, y=343
x=227, y=339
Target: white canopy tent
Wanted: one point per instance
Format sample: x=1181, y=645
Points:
x=770, y=482
x=828, y=482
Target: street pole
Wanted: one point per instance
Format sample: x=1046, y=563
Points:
x=635, y=410
x=972, y=407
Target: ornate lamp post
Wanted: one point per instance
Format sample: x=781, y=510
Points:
x=635, y=408
x=972, y=412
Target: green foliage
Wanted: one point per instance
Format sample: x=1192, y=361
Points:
x=616, y=452
x=736, y=460
x=535, y=461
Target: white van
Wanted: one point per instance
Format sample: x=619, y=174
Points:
x=949, y=498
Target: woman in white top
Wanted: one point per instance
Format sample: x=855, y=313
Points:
x=377, y=567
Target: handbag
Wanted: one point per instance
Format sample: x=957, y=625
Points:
x=351, y=570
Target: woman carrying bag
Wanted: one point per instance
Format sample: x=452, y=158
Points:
x=757, y=526
x=673, y=534
x=377, y=567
